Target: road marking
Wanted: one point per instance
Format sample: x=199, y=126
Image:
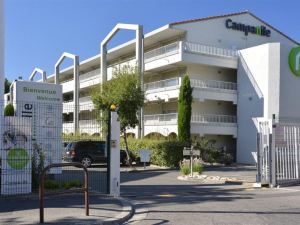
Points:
x=166, y=195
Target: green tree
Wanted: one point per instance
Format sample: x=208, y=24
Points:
x=6, y=86
x=185, y=110
x=125, y=91
x=9, y=110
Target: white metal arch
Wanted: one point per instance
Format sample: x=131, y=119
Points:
x=40, y=71
x=75, y=59
x=139, y=49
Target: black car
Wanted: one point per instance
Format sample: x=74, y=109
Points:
x=89, y=152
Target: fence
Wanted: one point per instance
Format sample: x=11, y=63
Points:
x=40, y=134
x=279, y=153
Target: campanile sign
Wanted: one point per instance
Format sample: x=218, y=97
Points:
x=238, y=26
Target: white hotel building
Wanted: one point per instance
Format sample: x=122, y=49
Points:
x=238, y=67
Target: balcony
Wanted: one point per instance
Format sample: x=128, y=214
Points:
x=85, y=103
x=189, y=52
x=214, y=90
x=214, y=124
x=162, y=90
x=86, y=80
x=203, y=90
x=200, y=124
x=85, y=126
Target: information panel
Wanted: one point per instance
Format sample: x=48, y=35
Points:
x=43, y=103
x=16, y=156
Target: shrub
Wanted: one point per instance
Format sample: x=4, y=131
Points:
x=164, y=153
x=9, y=110
x=197, y=168
x=185, y=170
x=228, y=159
x=72, y=183
x=185, y=167
x=51, y=184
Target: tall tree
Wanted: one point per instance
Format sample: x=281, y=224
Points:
x=123, y=90
x=6, y=86
x=185, y=110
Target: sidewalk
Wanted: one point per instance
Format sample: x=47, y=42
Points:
x=66, y=209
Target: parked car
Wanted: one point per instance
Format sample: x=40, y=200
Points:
x=89, y=152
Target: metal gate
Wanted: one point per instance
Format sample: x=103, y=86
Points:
x=45, y=140
x=263, y=153
x=279, y=153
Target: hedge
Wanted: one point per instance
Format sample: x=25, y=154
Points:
x=164, y=153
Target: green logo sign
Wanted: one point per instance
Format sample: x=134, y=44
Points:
x=294, y=61
x=17, y=158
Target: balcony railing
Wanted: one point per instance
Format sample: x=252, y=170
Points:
x=160, y=119
x=210, y=118
x=161, y=52
x=86, y=76
x=173, y=82
x=86, y=99
x=215, y=84
x=171, y=118
x=209, y=50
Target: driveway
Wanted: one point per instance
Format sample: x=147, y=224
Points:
x=160, y=198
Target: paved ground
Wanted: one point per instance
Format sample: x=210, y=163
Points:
x=64, y=209
x=160, y=198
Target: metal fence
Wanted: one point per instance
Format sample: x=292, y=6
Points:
x=279, y=153
x=40, y=134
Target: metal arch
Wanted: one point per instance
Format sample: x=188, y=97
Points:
x=139, y=49
x=40, y=71
x=75, y=59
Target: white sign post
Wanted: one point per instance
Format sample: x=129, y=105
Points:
x=191, y=152
x=114, y=155
x=145, y=156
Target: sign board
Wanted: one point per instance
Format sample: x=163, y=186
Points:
x=191, y=152
x=145, y=155
x=16, y=156
x=43, y=103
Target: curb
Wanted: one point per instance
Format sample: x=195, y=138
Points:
x=128, y=211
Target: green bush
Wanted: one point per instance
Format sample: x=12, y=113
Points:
x=185, y=169
x=72, y=183
x=9, y=110
x=51, y=184
x=164, y=153
x=198, y=168
x=228, y=159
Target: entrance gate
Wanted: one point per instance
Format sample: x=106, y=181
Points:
x=278, y=153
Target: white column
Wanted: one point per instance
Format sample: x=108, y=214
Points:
x=76, y=94
x=115, y=156
x=1, y=57
x=2, y=82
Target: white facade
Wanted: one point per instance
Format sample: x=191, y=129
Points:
x=236, y=77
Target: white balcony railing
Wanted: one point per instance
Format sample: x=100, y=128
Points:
x=171, y=118
x=160, y=119
x=209, y=50
x=173, y=82
x=86, y=76
x=86, y=99
x=214, y=84
x=210, y=118
x=161, y=52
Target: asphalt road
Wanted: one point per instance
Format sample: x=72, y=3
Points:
x=160, y=198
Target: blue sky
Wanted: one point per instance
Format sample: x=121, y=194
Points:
x=39, y=31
